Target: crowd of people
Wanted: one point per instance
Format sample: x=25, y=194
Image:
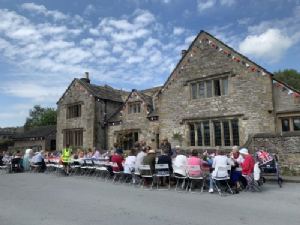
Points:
x=243, y=166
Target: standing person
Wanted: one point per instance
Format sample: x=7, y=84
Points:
x=166, y=146
x=26, y=159
x=66, y=157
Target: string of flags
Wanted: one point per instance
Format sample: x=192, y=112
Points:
x=229, y=54
x=232, y=56
x=284, y=88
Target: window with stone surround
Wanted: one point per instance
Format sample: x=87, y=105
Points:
x=214, y=133
x=209, y=88
x=134, y=107
x=73, y=137
x=290, y=124
x=74, y=111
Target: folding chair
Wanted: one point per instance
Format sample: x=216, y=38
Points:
x=180, y=179
x=146, y=173
x=222, y=176
x=162, y=172
x=193, y=176
x=117, y=173
x=252, y=185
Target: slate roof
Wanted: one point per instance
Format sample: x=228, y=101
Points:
x=104, y=92
x=37, y=132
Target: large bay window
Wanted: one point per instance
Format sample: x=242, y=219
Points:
x=214, y=133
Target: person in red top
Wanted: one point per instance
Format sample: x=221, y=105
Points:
x=118, y=159
x=247, y=167
x=248, y=163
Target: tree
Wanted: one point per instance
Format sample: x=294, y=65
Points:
x=290, y=77
x=39, y=116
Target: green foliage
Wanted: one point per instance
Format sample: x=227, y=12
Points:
x=39, y=116
x=290, y=77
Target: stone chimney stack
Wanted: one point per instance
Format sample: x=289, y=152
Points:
x=86, y=77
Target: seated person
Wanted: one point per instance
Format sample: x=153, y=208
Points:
x=180, y=163
x=118, y=159
x=129, y=164
x=165, y=158
x=236, y=170
x=194, y=160
x=150, y=160
x=247, y=165
x=220, y=160
x=38, y=159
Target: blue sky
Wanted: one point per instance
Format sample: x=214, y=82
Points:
x=127, y=43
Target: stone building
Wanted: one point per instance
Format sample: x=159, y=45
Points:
x=215, y=97
x=39, y=138
x=83, y=111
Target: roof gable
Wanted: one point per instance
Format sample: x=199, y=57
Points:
x=204, y=38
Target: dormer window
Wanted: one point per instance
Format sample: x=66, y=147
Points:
x=134, y=107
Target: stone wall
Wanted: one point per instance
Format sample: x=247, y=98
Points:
x=249, y=97
x=283, y=101
x=103, y=109
x=77, y=93
x=35, y=145
x=286, y=146
x=135, y=121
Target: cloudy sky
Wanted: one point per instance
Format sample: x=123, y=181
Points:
x=127, y=44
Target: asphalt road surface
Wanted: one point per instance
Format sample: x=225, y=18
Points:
x=41, y=199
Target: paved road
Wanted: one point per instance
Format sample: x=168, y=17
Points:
x=39, y=199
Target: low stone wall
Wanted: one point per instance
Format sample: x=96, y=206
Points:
x=286, y=146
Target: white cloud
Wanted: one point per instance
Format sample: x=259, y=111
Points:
x=178, y=30
x=271, y=45
x=41, y=9
x=205, y=4
x=127, y=50
x=227, y=2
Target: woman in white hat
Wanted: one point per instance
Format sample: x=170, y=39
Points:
x=247, y=165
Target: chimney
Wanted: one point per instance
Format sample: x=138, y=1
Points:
x=86, y=77
x=183, y=52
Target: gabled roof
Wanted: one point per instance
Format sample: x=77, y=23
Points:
x=204, y=33
x=103, y=92
x=146, y=98
x=37, y=132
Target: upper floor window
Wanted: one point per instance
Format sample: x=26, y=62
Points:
x=134, y=107
x=73, y=111
x=290, y=124
x=214, y=133
x=209, y=88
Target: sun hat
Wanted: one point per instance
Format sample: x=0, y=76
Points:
x=244, y=151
